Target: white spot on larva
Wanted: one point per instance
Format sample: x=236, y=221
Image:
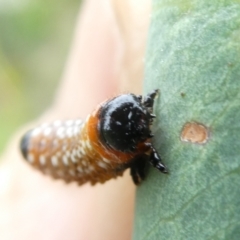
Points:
x=106, y=160
x=79, y=154
x=78, y=122
x=65, y=160
x=118, y=123
x=87, y=117
x=76, y=130
x=74, y=160
x=47, y=131
x=36, y=131
x=102, y=165
x=130, y=115
x=30, y=158
x=42, y=160
x=61, y=132
x=69, y=132
x=54, y=161
x=83, y=143
x=89, y=146
x=57, y=123
x=69, y=122
x=82, y=151
x=79, y=169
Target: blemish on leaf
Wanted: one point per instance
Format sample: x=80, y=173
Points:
x=183, y=94
x=195, y=133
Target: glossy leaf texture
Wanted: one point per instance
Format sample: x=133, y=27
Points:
x=193, y=57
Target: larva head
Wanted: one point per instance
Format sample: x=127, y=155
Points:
x=124, y=122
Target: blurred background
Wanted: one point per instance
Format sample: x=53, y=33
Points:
x=35, y=38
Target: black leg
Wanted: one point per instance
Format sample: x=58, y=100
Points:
x=156, y=161
x=138, y=169
x=149, y=99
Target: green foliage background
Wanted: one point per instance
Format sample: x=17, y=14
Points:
x=194, y=59
x=34, y=41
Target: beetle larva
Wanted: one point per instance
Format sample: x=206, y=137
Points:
x=116, y=136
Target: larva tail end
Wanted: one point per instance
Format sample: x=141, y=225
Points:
x=24, y=144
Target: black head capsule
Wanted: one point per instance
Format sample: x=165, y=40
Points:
x=124, y=123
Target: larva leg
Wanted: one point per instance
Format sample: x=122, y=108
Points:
x=138, y=169
x=156, y=161
x=149, y=99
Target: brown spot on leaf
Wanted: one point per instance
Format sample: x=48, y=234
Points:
x=183, y=94
x=195, y=133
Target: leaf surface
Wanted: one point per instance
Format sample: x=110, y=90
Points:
x=193, y=57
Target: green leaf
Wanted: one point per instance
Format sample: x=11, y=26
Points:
x=194, y=59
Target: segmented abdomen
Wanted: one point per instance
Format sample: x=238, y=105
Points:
x=65, y=150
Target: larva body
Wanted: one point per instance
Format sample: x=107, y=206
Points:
x=116, y=136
